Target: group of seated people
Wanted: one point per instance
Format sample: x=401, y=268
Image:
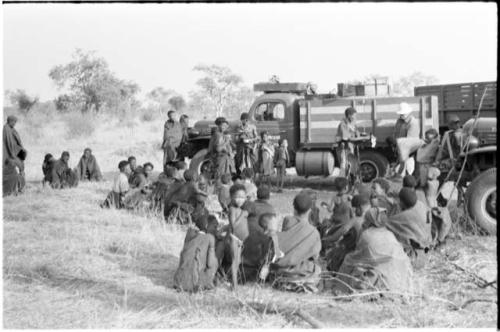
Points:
x=371, y=238
x=58, y=174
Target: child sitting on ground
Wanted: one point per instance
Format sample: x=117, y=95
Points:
x=266, y=158
x=247, y=181
x=269, y=222
x=282, y=160
x=380, y=189
x=341, y=186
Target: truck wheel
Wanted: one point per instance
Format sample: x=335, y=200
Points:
x=200, y=164
x=481, y=198
x=372, y=165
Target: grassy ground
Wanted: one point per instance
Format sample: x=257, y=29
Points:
x=69, y=264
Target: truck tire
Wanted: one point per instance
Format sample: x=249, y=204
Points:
x=481, y=200
x=372, y=165
x=199, y=161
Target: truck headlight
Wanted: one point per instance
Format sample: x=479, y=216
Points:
x=473, y=142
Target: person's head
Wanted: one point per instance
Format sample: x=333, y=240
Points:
x=407, y=198
x=269, y=222
x=283, y=142
x=454, y=122
x=244, y=118
x=431, y=134
x=11, y=120
x=410, y=182
x=148, y=169
x=404, y=111
x=65, y=156
x=302, y=204
x=222, y=124
x=341, y=185
x=124, y=166
x=172, y=115
x=350, y=114
x=170, y=171
x=247, y=174
x=361, y=204
x=132, y=162
x=190, y=175
x=212, y=224
x=184, y=119
x=238, y=194
x=264, y=136
x=263, y=192
x=380, y=186
x=202, y=182
x=181, y=165
x=226, y=178
x=48, y=157
x=87, y=153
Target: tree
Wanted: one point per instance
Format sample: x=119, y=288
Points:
x=91, y=82
x=177, y=102
x=405, y=84
x=22, y=100
x=216, y=87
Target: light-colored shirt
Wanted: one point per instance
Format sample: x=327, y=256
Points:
x=120, y=183
x=406, y=128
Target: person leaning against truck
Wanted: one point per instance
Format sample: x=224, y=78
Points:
x=172, y=137
x=347, y=132
x=451, y=144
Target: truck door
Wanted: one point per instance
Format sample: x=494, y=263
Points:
x=271, y=116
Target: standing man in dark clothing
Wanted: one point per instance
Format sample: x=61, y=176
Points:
x=172, y=137
x=246, y=138
x=347, y=132
x=221, y=150
x=14, y=155
x=451, y=144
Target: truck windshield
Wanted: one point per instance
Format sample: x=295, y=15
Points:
x=270, y=111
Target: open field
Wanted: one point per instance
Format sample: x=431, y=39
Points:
x=69, y=264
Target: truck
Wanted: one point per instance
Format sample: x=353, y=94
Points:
x=309, y=122
x=462, y=99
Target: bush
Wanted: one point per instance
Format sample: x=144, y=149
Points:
x=79, y=125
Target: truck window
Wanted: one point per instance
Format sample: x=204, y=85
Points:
x=270, y=111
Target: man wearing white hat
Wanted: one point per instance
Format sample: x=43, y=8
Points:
x=406, y=127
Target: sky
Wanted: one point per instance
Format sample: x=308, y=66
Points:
x=325, y=43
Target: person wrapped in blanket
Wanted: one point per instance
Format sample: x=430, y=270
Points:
x=120, y=187
x=298, y=269
x=140, y=188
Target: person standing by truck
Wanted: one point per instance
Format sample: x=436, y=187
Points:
x=172, y=137
x=347, y=133
x=221, y=150
x=406, y=127
x=451, y=144
x=245, y=149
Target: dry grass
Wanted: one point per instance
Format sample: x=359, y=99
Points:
x=69, y=264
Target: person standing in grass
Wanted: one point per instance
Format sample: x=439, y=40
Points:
x=266, y=158
x=120, y=187
x=221, y=149
x=87, y=168
x=282, y=160
x=247, y=136
x=14, y=155
x=172, y=137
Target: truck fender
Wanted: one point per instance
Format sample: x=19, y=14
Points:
x=484, y=149
x=197, y=159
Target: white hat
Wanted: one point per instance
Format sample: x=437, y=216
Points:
x=404, y=109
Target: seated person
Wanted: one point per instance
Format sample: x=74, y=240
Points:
x=377, y=263
x=181, y=167
x=47, y=165
x=13, y=181
x=381, y=189
x=198, y=263
x=87, y=168
x=160, y=188
x=314, y=216
x=341, y=186
x=410, y=182
x=247, y=180
x=298, y=269
x=133, y=166
x=184, y=198
x=258, y=207
x=412, y=226
x=63, y=176
x=140, y=188
x=342, y=238
x=120, y=187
